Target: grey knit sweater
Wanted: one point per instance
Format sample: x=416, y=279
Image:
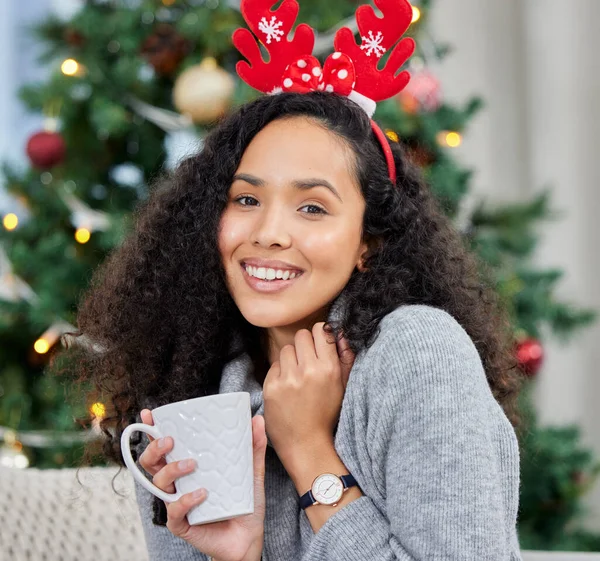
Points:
x=432, y=451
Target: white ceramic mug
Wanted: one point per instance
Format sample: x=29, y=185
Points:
x=215, y=431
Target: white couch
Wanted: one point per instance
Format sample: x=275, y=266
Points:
x=56, y=515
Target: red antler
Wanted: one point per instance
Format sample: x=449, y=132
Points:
x=378, y=35
x=271, y=28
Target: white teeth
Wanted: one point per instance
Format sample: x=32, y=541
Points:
x=265, y=273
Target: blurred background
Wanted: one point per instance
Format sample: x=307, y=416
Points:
x=501, y=114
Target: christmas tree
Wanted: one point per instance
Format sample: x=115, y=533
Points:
x=133, y=86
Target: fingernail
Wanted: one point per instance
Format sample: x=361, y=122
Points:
x=161, y=443
x=199, y=493
x=185, y=464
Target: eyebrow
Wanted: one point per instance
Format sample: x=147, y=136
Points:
x=301, y=184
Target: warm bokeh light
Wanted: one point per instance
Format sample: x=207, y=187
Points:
x=82, y=235
x=41, y=346
x=10, y=437
x=416, y=14
x=21, y=461
x=10, y=221
x=98, y=410
x=392, y=135
x=168, y=2
x=453, y=139
x=14, y=459
x=450, y=139
x=69, y=67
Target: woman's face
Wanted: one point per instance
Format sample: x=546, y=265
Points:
x=280, y=209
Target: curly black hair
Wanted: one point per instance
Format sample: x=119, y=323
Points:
x=162, y=315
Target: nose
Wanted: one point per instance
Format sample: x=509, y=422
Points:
x=272, y=227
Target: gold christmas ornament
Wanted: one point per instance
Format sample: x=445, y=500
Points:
x=203, y=91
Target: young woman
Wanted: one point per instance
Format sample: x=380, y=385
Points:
x=416, y=402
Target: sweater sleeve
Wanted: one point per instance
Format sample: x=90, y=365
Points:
x=434, y=450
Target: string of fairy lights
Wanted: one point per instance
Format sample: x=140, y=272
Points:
x=86, y=221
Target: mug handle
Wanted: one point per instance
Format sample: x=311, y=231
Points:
x=135, y=470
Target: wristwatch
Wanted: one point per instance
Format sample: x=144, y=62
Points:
x=327, y=489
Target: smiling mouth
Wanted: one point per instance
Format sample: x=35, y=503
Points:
x=297, y=273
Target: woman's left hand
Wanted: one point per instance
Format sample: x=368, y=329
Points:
x=303, y=392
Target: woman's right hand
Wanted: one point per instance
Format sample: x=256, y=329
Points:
x=236, y=539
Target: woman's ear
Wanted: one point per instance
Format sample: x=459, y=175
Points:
x=360, y=264
x=369, y=248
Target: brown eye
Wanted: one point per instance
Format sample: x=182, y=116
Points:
x=319, y=209
x=243, y=197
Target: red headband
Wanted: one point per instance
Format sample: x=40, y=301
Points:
x=350, y=71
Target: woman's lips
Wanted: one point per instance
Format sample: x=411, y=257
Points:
x=265, y=286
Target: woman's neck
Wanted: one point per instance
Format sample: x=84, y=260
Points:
x=273, y=339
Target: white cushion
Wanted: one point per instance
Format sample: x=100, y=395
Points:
x=69, y=515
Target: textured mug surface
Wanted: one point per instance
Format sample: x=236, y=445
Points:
x=215, y=431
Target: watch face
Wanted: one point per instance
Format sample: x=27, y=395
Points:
x=327, y=488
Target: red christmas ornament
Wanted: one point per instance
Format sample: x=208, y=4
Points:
x=423, y=92
x=73, y=37
x=578, y=477
x=530, y=355
x=46, y=149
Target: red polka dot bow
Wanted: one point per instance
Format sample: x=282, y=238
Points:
x=305, y=75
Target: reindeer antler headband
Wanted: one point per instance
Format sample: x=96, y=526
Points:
x=350, y=71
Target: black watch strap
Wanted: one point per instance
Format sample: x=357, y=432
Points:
x=348, y=480
x=307, y=500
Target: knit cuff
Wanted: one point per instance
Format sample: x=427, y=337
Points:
x=356, y=532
